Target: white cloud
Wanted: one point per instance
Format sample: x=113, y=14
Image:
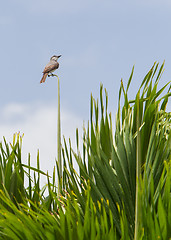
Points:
x=38, y=122
x=14, y=109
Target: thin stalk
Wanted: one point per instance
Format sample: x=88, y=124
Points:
x=59, y=161
x=59, y=142
x=138, y=173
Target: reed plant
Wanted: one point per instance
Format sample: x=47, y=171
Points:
x=123, y=187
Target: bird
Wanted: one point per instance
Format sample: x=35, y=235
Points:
x=50, y=67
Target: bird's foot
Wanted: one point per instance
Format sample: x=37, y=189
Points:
x=51, y=75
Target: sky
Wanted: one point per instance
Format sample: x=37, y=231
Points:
x=99, y=41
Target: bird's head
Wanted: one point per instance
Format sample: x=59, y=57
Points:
x=55, y=58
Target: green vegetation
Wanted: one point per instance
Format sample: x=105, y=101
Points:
x=123, y=187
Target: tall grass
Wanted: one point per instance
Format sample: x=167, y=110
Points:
x=106, y=199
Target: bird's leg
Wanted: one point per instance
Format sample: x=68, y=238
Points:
x=51, y=75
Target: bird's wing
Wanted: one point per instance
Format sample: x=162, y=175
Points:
x=50, y=67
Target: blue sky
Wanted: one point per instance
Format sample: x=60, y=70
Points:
x=99, y=41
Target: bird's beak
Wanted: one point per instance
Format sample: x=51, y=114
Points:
x=59, y=56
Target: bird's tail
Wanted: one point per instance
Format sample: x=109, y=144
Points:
x=44, y=77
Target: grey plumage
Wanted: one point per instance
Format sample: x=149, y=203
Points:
x=50, y=67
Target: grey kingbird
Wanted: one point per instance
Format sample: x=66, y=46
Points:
x=50, y=67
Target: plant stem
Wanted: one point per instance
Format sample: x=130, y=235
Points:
x=138, y=173
x=59, y=143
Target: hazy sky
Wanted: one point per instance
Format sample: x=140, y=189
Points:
x=99, y=41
